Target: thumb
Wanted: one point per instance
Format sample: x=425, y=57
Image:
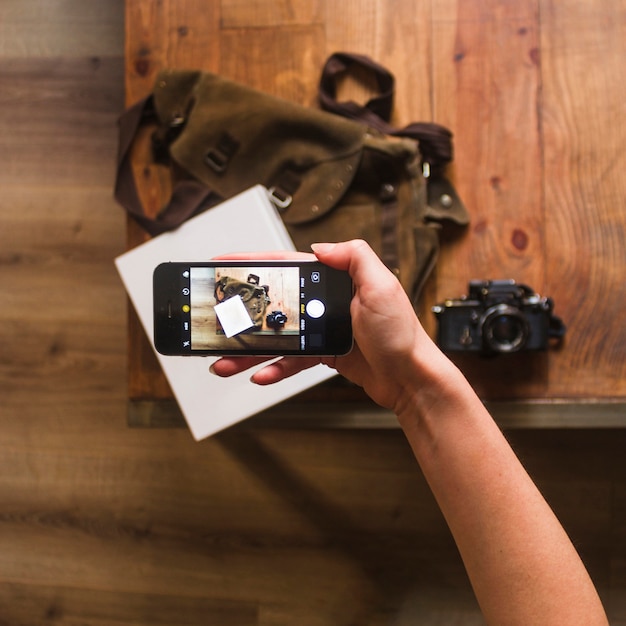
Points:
x=355, y=257
x=324, y=250
x=341, y=255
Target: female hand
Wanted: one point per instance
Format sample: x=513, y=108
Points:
x=387, y=333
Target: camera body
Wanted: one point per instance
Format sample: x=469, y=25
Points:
x=276, y=320
x=497, y=317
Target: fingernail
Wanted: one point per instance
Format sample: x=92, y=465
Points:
x=322, y=248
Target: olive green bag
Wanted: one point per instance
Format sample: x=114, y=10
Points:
x=332, y=178
x=255, y=297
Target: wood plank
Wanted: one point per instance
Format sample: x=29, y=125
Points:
x=311, y=503
x=118, y=509
x=26, y=603
x=487, y=84
x=584, y=96
x=65, y=110
x=299, y=492
x=271, y=60
x=397, y=35
x=56, y=261
x=487, y=88
x=483, y=76
x=244, y=14
x=48, y=224
x=168, y=34
x=61, y=28
x=62, y=313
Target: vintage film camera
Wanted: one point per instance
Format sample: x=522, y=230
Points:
x=496, y=317
x=276, y=320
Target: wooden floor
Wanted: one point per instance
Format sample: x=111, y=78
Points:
x=105, y=525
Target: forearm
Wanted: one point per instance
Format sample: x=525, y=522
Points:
x=522, y=565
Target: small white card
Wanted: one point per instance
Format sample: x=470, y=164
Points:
x=233, y=316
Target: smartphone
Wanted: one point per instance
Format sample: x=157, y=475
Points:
x=249, y=307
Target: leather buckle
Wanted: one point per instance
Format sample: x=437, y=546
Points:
x=217, y=158
x=279, y=198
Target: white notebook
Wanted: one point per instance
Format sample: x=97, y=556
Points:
x=248, y=222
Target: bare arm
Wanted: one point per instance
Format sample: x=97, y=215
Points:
x=522, y=566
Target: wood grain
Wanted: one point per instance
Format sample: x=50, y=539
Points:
x=60, y=28
x=397, y=35
x=77, y=96
x=102, y=524
x=23, y=604
x=487, y=89
x=479, y=69
x=485, y=71
x=168, y=34
x=584, y=155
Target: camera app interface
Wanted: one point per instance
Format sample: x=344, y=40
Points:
x=253, y=308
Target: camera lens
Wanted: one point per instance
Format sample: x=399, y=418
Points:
x=505, y=329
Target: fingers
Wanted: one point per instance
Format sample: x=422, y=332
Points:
x=349, y=255
x=369, y=275
x=354, y=256
x=272, y=373
x=271, y=255
x=229, y=366
x=283, y=368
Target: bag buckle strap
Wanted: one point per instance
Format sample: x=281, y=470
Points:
x=388, y=196
x=219, y=157
x=285, y=185
x=279, y=198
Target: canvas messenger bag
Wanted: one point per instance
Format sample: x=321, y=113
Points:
x=255, y=297
x=334, y=174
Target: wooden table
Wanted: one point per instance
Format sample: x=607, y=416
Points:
x=531, y=90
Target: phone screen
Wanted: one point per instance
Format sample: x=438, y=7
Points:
x=252, y=307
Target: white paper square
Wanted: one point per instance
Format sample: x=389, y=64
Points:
x=233, y=316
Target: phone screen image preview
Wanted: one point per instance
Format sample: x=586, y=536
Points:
x=255, y=308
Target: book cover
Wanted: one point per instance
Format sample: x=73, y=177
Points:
x=248, y=222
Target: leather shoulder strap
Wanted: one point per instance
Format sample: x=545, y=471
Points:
x=435, y=140
x=188, y=196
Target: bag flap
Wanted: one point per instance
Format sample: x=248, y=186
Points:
x=444, y=204
x=233, y=137
x=320, y=190
x=327, y=184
